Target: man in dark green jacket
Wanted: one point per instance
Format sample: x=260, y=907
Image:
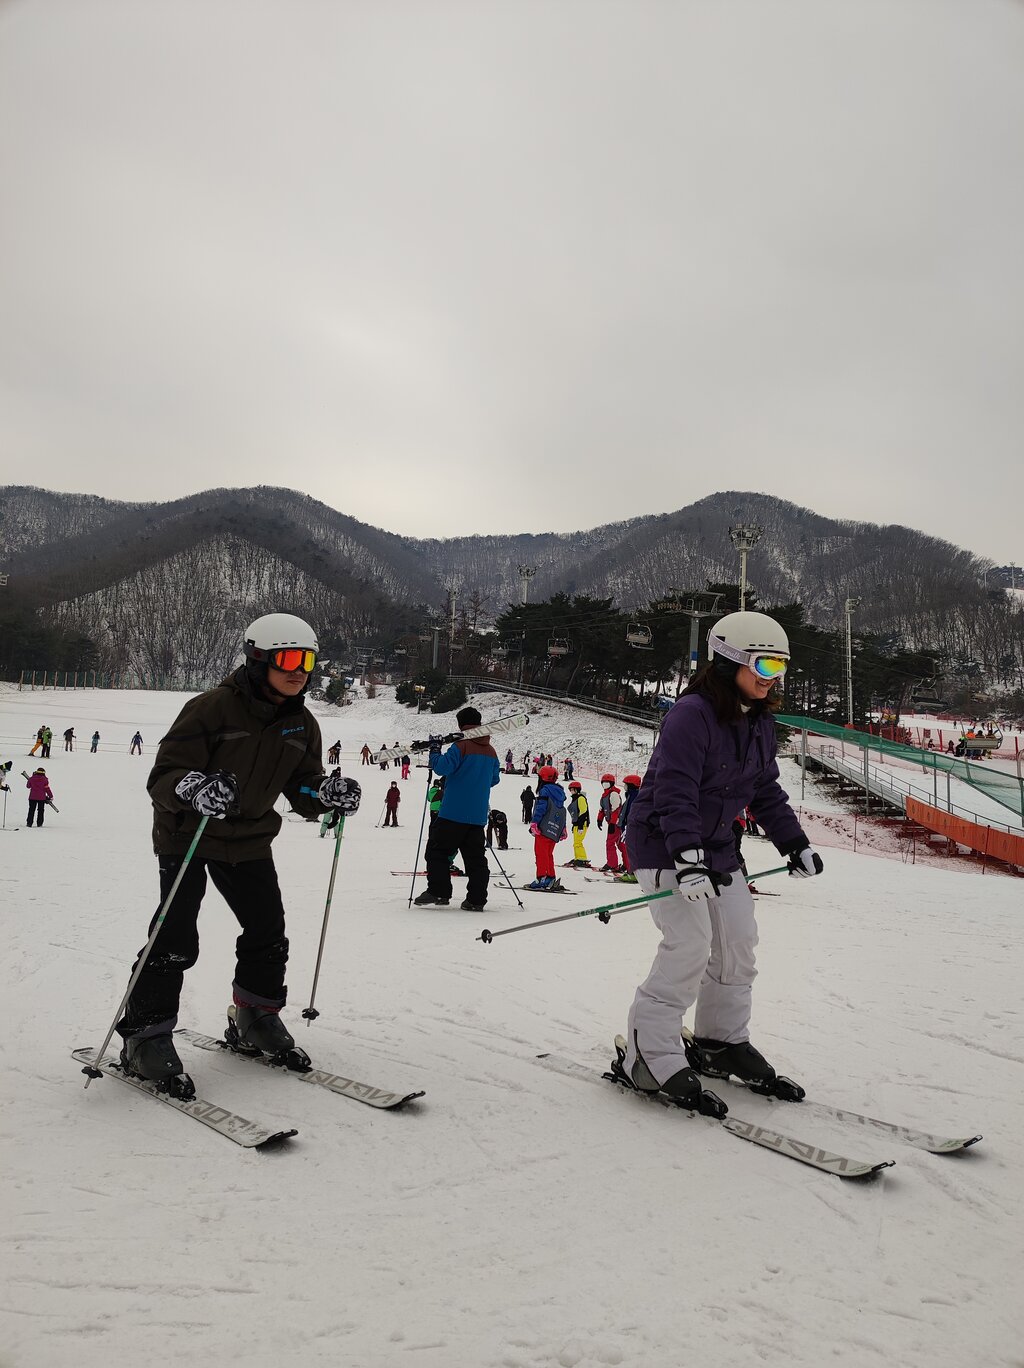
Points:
x=230, y=754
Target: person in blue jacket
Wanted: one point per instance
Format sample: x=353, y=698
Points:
x=471, y=769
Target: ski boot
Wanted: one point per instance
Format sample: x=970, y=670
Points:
x=716, y=1059
x=683, y=1089
x=629, y=877
x=260, y=1031
x=428, y=899
x=155, y=1059
x=542, y=884
x=468, y=906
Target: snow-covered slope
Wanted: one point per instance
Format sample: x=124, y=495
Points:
x=513, y=1218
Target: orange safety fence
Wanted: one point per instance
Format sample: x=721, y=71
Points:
x=986, y=840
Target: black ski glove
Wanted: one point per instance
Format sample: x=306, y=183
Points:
x=339, y=792
x=804, y=862
x=694, y=878
x=212, y=795
x=432, y=743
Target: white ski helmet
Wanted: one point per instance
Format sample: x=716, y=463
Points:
x=742, y=637
x=274, y=631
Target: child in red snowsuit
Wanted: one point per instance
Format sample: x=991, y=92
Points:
x=548, y=826
x=608, y=816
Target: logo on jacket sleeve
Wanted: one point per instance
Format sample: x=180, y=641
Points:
x=290, y=731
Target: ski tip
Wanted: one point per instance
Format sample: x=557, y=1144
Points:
x=869, y=1172
x=275, y=1140
x=409, y=1097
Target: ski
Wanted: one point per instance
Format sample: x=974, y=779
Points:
x=227, y=1123
x=907, y=1135
x=455, y=874
x=49, y=801
x=495, y=728
x=603, y=878
x=345, y=1087
x=803, y=1151
x=559, y=889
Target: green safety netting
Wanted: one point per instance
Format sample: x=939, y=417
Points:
x=1004, y=788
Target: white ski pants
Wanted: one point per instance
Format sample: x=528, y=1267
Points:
x=706, y=956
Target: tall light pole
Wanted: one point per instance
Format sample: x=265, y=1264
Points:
x=744, y=537
x=451, y=629
x=851, y=604
x=526, y=574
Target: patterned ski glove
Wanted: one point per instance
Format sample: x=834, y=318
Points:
x=534, y=829
x=694, y=878
x=341, y=793
x=804, y=862
x=212, y=795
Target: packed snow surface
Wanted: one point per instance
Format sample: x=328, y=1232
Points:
x=513, y=1218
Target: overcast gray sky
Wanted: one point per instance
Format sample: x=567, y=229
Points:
x=519, y=264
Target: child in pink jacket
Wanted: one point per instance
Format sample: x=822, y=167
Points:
x=38, y=796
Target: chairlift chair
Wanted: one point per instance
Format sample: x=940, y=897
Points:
x=640, y=636
x=559, y=646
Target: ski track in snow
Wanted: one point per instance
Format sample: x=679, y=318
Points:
x=513, y=1218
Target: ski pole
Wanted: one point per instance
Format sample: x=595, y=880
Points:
x=381, y=817
x=506, y=878
x=606, y=912
x=90, y=1069
x=419, y=843
x=310, y=1013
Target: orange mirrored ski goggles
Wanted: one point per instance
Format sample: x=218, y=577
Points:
x=291, y=658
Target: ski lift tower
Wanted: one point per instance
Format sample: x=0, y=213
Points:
x=526, y=573
x=695, y=607
x=744, y=537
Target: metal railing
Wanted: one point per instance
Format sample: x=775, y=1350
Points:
x=890, y=789
x=638, y=716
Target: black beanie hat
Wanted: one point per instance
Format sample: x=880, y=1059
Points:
x=468, y=717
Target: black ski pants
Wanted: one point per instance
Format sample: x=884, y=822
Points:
x=252, y=892
x=36, y=808
x=445, y=838
x=391, y=817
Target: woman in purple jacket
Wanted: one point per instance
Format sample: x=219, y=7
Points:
x=714, y=757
